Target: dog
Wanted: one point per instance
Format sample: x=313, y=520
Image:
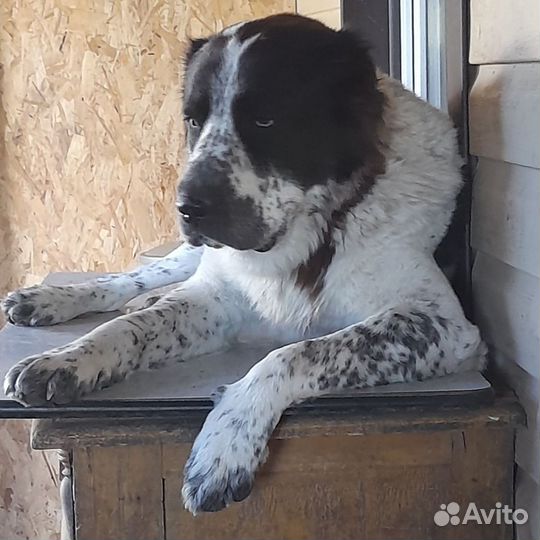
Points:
x=315, y=192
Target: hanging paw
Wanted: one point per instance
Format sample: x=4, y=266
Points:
x=227, y=452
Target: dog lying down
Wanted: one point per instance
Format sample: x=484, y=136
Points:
x=315, y=193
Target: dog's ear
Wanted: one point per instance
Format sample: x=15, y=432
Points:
x=193, y=46
x=355, y=47
x=353, y=62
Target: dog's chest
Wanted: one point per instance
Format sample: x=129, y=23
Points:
x=271, y=293
x=353, y=288
x=277, y=297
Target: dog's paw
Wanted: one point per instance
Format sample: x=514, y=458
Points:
x=226, y=454
x=40, y=305
x=56, y=377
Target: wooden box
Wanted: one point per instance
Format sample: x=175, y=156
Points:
x=342, y=474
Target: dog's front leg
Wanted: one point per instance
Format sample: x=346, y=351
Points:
x=42, y=305
x=195, y=319
x=405, y=344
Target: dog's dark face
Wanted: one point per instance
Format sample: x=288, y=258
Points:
x=273, y=109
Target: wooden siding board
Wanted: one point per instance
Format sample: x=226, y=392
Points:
x=506, y=214
x=504, y=31
x=507, y=309
x=504, y=107
x=505, y=132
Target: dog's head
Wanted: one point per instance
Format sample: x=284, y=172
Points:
x=274, y=109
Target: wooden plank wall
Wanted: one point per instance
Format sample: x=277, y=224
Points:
x=505, y=136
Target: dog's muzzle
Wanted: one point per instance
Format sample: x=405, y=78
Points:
x=212, y=213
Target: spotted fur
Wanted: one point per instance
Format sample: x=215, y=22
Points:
x=322, y=234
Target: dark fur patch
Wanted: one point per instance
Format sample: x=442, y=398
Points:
x=310, y=274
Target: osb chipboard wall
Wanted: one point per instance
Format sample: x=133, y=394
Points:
x=90, y=145
x=29, y=496
x=91, y=123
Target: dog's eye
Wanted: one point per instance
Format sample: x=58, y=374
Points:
x=266, y=123
x=192, y=123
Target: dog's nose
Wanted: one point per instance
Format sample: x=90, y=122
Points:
x=192, y=209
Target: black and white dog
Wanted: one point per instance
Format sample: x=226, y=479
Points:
x=314, y=196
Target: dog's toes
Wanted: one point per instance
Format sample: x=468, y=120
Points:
x=215, y=489
x=13, y=374
x=141, y=302
x=225, y=456
x=33, y=306
x=18, y=309
x=42, y=381
x=151, y=300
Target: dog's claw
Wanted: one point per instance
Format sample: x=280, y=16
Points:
x=50, y=389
